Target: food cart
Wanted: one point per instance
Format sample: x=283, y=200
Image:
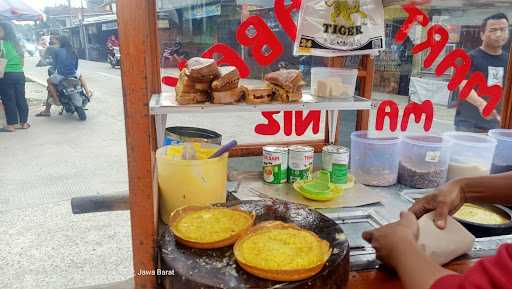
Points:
x=145, y=119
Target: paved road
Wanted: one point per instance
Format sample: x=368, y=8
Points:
x=42, y=244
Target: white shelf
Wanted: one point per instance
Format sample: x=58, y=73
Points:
x=166, y=103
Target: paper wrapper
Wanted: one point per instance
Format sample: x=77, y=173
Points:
x=444, y=245
x=252, y=187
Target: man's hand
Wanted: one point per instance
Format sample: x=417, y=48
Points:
x=480, y=103
x=494, y=114
x=396, y=246
x=446, y=200
x=388, y=240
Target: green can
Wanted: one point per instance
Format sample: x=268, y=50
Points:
x=300, y=164
x=335, y=160
x=275, y=164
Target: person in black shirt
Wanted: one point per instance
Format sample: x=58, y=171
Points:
x=492, y=61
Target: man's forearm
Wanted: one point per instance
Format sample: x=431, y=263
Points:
x=473, y=97
x=476, y=100
x=417, y=270
x=496, y=189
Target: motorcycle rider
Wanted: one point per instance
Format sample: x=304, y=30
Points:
x=113, y=49
x=175, y=53
x=65, y=60
x=112, y=41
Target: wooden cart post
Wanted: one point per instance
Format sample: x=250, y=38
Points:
x=506, y=114
x=141, y=78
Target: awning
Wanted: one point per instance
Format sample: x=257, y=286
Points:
x=180, y=4
x=20, y=10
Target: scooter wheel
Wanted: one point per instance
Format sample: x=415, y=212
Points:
x=81, y=113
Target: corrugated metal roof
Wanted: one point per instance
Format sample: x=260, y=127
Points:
x=98, y=19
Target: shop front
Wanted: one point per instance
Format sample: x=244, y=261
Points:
x=338, y=85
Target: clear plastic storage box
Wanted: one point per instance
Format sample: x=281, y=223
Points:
x=333, y=82
x=503, y=157
x=374, y=161
x=423, y=161
x=471, y=154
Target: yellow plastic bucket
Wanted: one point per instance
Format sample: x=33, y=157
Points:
x=190, y=182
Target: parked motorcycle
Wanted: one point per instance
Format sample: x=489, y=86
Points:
x=72, y=95
x=114, y=56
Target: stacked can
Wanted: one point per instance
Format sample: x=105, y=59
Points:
x=282, y=164
x=275, y=164
x=335, y=160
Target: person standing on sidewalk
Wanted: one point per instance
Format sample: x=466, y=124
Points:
x=491, y=60
x=12, y=85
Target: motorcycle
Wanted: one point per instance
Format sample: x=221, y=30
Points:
x=114, y=56
x=174, y=55
x=72, y=95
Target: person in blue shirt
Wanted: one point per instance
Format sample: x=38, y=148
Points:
x=65, y=61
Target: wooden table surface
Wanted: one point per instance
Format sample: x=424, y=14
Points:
x=384, y=279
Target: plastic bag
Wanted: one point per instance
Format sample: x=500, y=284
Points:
x=340, y=28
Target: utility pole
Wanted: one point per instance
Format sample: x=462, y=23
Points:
x=82, y=30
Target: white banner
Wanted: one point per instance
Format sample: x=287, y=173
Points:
x=340, y=28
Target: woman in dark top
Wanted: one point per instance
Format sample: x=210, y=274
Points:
x=12, y=85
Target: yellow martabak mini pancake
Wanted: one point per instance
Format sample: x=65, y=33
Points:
x=281, y=252
x=205, y=227
x=479, y=215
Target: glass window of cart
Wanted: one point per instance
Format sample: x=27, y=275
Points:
x=187, y=28
x=482, y=30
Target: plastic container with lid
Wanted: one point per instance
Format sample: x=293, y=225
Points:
x=471, y=154
x=503, y=157
x=374, y=161
x=423, y=161
x=198, y=182
x=333, y=82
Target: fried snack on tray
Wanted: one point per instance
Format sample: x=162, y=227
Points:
x=202, y=86
x=206, y=227
x=287, y=84
x=192, y=98
x=227, y=80
x=186, y=92
x=257, y=94
x=202, y=69
x=281, y=252
x=225, y=88
x=227, y=97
